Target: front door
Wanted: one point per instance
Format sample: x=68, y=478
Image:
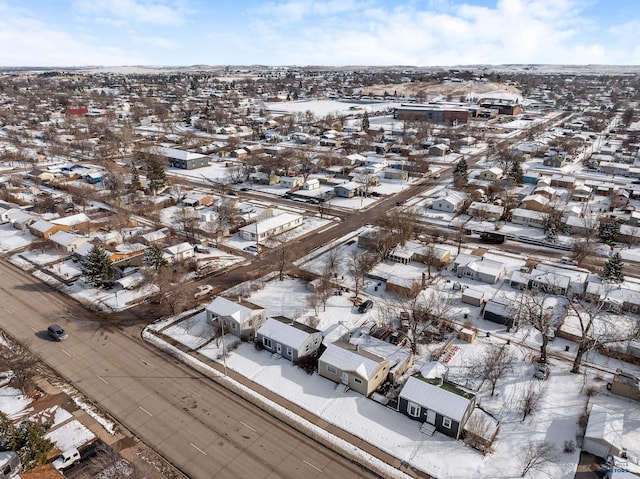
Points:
x=279, y=348
x=431, y=417
x=345, y=378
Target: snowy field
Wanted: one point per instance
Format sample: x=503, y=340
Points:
x=322, y=108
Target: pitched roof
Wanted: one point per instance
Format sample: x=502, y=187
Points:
x=284, y=333
x=351, y=361
x=223, y=307
x=435, y=398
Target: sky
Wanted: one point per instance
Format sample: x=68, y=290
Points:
x=318, y=32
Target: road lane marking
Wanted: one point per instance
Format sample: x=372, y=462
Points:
x=198, y=449
x=248, y=427
x=311, y=465
x=145, y=362
x=103, y=379
x=7, y=311
x=65, y=352
x=145, y=411
x=34, y=330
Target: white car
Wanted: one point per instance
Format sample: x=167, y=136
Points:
x=203, y=290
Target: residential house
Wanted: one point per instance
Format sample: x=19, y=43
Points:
x=439, y=150
x=451, y=202
x=311, y=184
x=400, y=358
x=20, y=219
x=487, y=211
x=241, y=319
x=396, y=174
x=78, y=222
x=442, y=406
x=194, y=199
x=536, y=203
x=357, y=369
x=549, y=281
x=480, y=269
x=290, y=339
x=126, y=252
x=179, y=252
x=620, y=198
x=349, y=189
x=491, y=174
x=546, y=191
x=526, y=217
x=563, y=181
x=291, y=182
x=374, y=238
x=268, y=227
x=44, y=229
x=581, y=193
x=615, y=298
x=156, y=236
x=68, y=242
x=43, y=176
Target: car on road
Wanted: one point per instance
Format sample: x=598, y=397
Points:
x=203, y=290
x=56, y=332
x=66, y=459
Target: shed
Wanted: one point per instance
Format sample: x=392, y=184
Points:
x=473, y=297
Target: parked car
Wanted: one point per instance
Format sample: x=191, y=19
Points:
x=366, y=306
x=203, y=290
x=66, y=459
x=10, y=464
x=56, y=332
x=252, y=248
x=542, y=371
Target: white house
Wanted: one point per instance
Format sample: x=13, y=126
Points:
x=240, y=319
x=67, y=241
x=451, y=202
x=271, y=226
x=291, y=181
x=603, y=436
x=179, y=252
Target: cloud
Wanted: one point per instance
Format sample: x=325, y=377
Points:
x=34, y=43
x=154, y=12
x=440, y=33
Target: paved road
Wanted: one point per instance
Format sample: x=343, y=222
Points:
x=203, y=429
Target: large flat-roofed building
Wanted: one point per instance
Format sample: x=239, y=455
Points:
x=432, y=113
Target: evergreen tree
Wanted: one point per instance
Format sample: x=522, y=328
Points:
x=516, y=173
x=33, y=446
x=460, y=173
x=365, y=122
x=135, y=179
x=154, y=257
x=552, y=223
x=156, y=173
x=97, y=266
x=612, y=271
x=609, y=230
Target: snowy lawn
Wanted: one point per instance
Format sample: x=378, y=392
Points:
x=13, y=403
x=71, y=434
x=12, y=239
x=192, y=332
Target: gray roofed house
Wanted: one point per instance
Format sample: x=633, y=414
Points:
x=240, y=319
x=442, y=405
x=290, y=339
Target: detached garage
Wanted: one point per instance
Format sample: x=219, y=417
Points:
x=603, y=436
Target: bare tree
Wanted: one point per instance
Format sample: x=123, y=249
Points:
x=332, y=259
x=359, y=265
x=533, y=308
x=530, y=400
x=493, y=365
x=535, y=455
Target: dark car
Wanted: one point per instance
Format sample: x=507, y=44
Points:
x=366, y=306
x=56, y=332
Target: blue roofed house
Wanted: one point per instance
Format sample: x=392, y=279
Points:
x=441, y=405
x=290, y=339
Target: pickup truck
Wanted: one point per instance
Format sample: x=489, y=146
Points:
x=203, y=290
x=66, y=459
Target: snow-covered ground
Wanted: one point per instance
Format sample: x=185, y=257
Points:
x=556, y=421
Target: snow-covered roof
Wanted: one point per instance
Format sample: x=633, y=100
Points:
x=605, y=425
x=63, y=238
x=72, y=220
x=284, y=333
x=178, y=248
x=435, y=398
x=272, y=222
x=42, y=226
x=226, y=308
x=156, y=235
x=351, y=361
x=176, y=154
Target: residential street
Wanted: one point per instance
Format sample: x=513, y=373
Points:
x=203, y=429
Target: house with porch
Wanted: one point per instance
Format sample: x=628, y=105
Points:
x=439, y=404
x=450, y=202
x=241, y=319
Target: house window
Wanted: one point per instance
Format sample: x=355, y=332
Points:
x=289, y=352
x=357, y=380
x=446, y=422
x=266, y=342
x=331, y=369
x=413, y=409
